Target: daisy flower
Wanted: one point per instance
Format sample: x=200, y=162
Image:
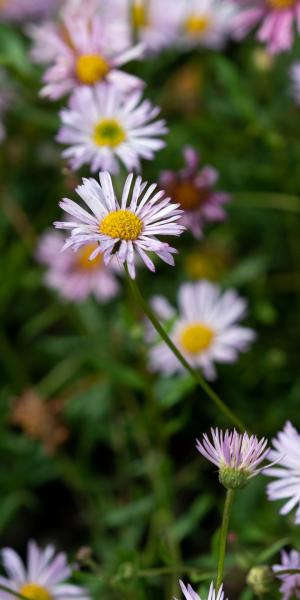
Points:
x=80, y=52
x=122, y=229
x=206, y=330
x=276, y=20
x=295, y=81
x=155, y=22
x=236, y=456
x=190, y=594
x=43, y=578
x=72, y=274
x=286, y=451
x=205, y=22
x=194, y=189
x=290, y=587
x=22, y=10
x=103, y=126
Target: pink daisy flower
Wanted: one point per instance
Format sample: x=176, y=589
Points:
x=24, y=10
x=80, y=52
x=122, y=229
x=72, y=274
x=190, y=594
x=193, y=189
x=205, y=22
x=206, y=329
x=276, y=20
x=290, y=586
x=155, y=22
x=286, y=452
x=43, y=577
x=103, y=126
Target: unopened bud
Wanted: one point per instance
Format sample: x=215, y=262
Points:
x=261, y=579
x=233, y=478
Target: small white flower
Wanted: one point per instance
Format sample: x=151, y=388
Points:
x=124, y=228
x=103, y=126
x=190, y=594
x=205, y=22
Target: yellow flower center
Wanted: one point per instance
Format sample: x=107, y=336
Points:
x=139, y=15
x=122, y=224
x=83, y=258
x=196, y=337
x=109, y=132
x=33, y=591
x=91, y=68
x=281, y=4
x=197, y=24
x=187, y=194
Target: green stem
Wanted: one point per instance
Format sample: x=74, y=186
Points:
x=195, y=374
x=223, y=536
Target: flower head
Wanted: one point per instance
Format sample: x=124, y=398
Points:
x=290, y=586
x=122, y=229
x=194, y=189
x=286, y=452
x=155, y=22
x=72, y=274
x=205, y=330
x=190, y=594
x=80, y=52
x=236, y=456
x=103, y=126
x=275, y=18
x=44, y=576
x=205, y=22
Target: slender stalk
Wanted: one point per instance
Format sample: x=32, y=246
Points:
x=195, y=374
x=223, y=536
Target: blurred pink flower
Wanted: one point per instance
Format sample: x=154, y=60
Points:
x=193, y=189
x=276, y=20
x=190, y=594
x=290, y=587
x=24, y=10
x=204, y=22
x=72, y=274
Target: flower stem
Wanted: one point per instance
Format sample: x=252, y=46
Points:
x=12, y=592
x=223, y=536
x=195, y=374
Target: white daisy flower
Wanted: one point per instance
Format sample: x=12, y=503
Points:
x=123, y=228
x=206, y=330
x=205, y=22
x=43, y=578
x=190, y=594
x=103, y=126
x=286, y=453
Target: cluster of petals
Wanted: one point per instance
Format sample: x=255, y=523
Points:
x=286, y=474
x=275, y=19
x=194, y=189
x=102, y=126
x=290, y=582
x=122, y=229
x=206, y=329
x=44, y=576
x=190, y=594
x=234, y=450
x=205, y=22
x=72, y=275
x=23, y=10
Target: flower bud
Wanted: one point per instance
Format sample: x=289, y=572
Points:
x=261, y=579
x=233, y=478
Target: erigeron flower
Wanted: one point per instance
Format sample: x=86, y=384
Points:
x=190, y=594
x=295, y=81
x=205, y=22
x=290, y=586
x=286, y=451
x=276, y=20
x=72, y=274
x=123, y=229
x=206, y=330
x=102, y=126
x=194, y=189
x=80, y=52
x=24, y=10
x=43, y=578
x=155, y=22
x=236, y=456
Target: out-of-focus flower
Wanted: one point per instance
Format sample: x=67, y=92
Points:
x=44, y=576
x=24, y=10
x=154, y=22
x=236, y=456
x=73, y=275
x=276, y=20
x=295, y=81
x=290, y=586
x=286, y=452
x=39, y=419
x=103, y=127
x=206, y=329
x=262, y=59
x=262, y=580
x=194, y=190
x=208, y=262
x=190, y=594
x=205, y=22
x=122, y=229
x=79, y=54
